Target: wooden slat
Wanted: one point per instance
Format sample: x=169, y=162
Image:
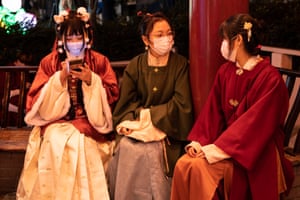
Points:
x=291, y=76
x=14, y=139
x=5, y=100
x=10, y=71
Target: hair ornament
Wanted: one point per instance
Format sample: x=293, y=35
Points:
x=142, y=14
x=81, y=12
x=84, y=15
x=58, y=19
x=60, y=50
x=248, y=26
x=61, y=17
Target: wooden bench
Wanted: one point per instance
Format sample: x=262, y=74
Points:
x=13, y=140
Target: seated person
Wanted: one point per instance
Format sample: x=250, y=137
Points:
x=238, y=136
x=70, y=109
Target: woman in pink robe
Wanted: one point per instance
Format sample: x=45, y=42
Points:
x=237, y=140
x=69, y=106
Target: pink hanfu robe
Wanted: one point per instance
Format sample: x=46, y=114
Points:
x=66, y=159
x=244, y=117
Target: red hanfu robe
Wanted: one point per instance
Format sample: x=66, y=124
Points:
x=244, y=116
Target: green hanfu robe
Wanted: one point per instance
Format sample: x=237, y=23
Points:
x=165, y=91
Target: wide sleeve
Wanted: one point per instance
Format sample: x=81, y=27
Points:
x=109, y=80
x=46, y=100
x=52, y=104
x=247, y=138
x=129, y=101
x=175, y=117
x=211, y=120
x=99, y=116
x=45, y=70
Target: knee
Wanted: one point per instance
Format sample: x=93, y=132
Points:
x=187, y=163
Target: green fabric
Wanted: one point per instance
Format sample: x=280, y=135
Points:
x=170, y=104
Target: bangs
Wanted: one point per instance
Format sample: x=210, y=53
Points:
x=75, y=27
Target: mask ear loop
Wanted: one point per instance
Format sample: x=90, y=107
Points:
x=231, y=45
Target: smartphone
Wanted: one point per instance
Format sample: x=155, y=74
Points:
x=76, y=64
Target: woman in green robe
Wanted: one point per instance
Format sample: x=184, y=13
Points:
x=153, y=116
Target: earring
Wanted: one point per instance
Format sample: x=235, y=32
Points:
x=60, y=50
x=146, y=47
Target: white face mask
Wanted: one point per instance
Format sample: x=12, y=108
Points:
x=75, y=48
x=225, y=51
x=163, y=45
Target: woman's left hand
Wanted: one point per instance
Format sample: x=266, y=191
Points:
x=85, y=74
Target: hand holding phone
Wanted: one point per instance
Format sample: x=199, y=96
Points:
x=75, y=65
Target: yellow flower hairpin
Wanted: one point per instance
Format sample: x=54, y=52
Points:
x=248, y=26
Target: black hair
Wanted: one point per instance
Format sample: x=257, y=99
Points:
x=234, y=25
x=148, y=21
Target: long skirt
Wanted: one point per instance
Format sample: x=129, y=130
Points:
x=137, y=172
x=64, y=164
x=195, y=178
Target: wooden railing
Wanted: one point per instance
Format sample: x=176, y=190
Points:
x=10, y=72
x=282, y=57
x=290, y=77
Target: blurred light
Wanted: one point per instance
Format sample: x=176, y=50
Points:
x=17, y=21
x=12, y=5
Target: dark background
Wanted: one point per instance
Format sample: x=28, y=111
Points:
x=116, y=34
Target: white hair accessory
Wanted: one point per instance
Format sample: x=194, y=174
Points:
x=81, y=13
x=61, y=17
x=85, y=16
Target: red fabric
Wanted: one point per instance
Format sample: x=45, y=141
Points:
x=98, y=64
x=204, y=43
x=250, y=132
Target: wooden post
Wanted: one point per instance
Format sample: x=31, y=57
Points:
x=205, y=58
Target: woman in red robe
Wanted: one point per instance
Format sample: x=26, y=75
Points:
x=69, y=105
x=238, y=136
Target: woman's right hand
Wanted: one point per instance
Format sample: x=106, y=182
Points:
x=192, y=152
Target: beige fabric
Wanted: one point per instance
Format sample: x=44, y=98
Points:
x=143, y=129
x=54, y=103
x=212, y=153
x=65, y=165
